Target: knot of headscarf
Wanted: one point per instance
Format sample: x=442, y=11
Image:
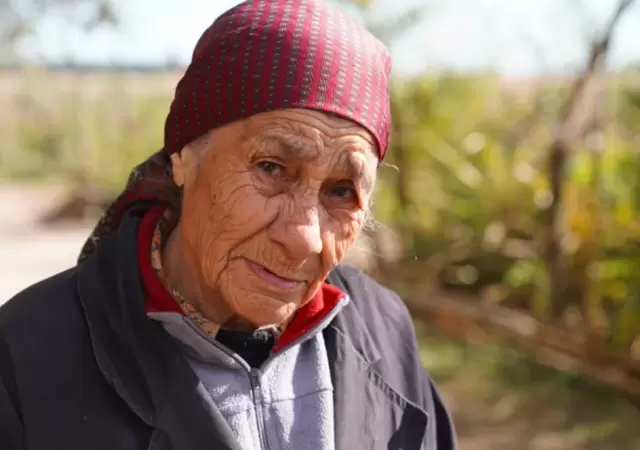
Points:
x=259, y=56
x=150, y=181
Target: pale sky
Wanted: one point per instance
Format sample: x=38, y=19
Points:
x=514, y=37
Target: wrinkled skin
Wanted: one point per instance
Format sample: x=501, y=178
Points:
x=286, y=191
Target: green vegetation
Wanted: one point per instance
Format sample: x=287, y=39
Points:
x=472, y=190
x=90, y=127
x=502, y=399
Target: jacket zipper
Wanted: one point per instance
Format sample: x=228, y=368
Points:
x=257, y=400
x=254, y=379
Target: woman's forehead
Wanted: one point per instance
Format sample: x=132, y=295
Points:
x=302, y=127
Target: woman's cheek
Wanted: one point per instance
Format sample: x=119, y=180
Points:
x=248, y=210
x=339, y=241
x=352, y=228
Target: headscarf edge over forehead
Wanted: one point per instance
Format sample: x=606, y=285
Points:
x=265, y=55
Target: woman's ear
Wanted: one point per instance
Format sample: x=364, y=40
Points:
x=183, y=165
x=177, y=166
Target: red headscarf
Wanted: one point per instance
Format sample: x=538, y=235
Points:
x=259, y=56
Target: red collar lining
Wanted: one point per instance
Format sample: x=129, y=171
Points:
x=157, y=299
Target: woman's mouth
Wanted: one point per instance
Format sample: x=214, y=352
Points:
x=268, y=276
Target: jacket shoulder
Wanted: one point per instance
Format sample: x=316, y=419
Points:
x=376, y=303
x=39, y=304
x=391, y=328
x=388, y=322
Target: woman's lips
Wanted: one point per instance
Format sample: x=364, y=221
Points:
x=272, y=278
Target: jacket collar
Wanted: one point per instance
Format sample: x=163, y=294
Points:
x=351, y=325
x=138, y=359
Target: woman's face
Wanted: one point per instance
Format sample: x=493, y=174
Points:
x=271, y=207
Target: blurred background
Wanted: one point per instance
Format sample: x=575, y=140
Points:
x=509, y=207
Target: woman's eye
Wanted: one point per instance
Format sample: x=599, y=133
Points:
x=270, y=168
x=344, y=192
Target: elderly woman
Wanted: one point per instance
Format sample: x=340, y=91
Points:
x=209, y=310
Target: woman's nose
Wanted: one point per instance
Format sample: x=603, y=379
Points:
x=300, y=234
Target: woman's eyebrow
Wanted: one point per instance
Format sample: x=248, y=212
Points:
x=292, y=148
x=354, y=169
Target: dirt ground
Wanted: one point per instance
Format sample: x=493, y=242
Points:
x=31, y=252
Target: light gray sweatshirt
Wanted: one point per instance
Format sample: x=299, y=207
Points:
x=286, y=404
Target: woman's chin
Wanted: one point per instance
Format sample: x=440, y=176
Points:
x=264, y=311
